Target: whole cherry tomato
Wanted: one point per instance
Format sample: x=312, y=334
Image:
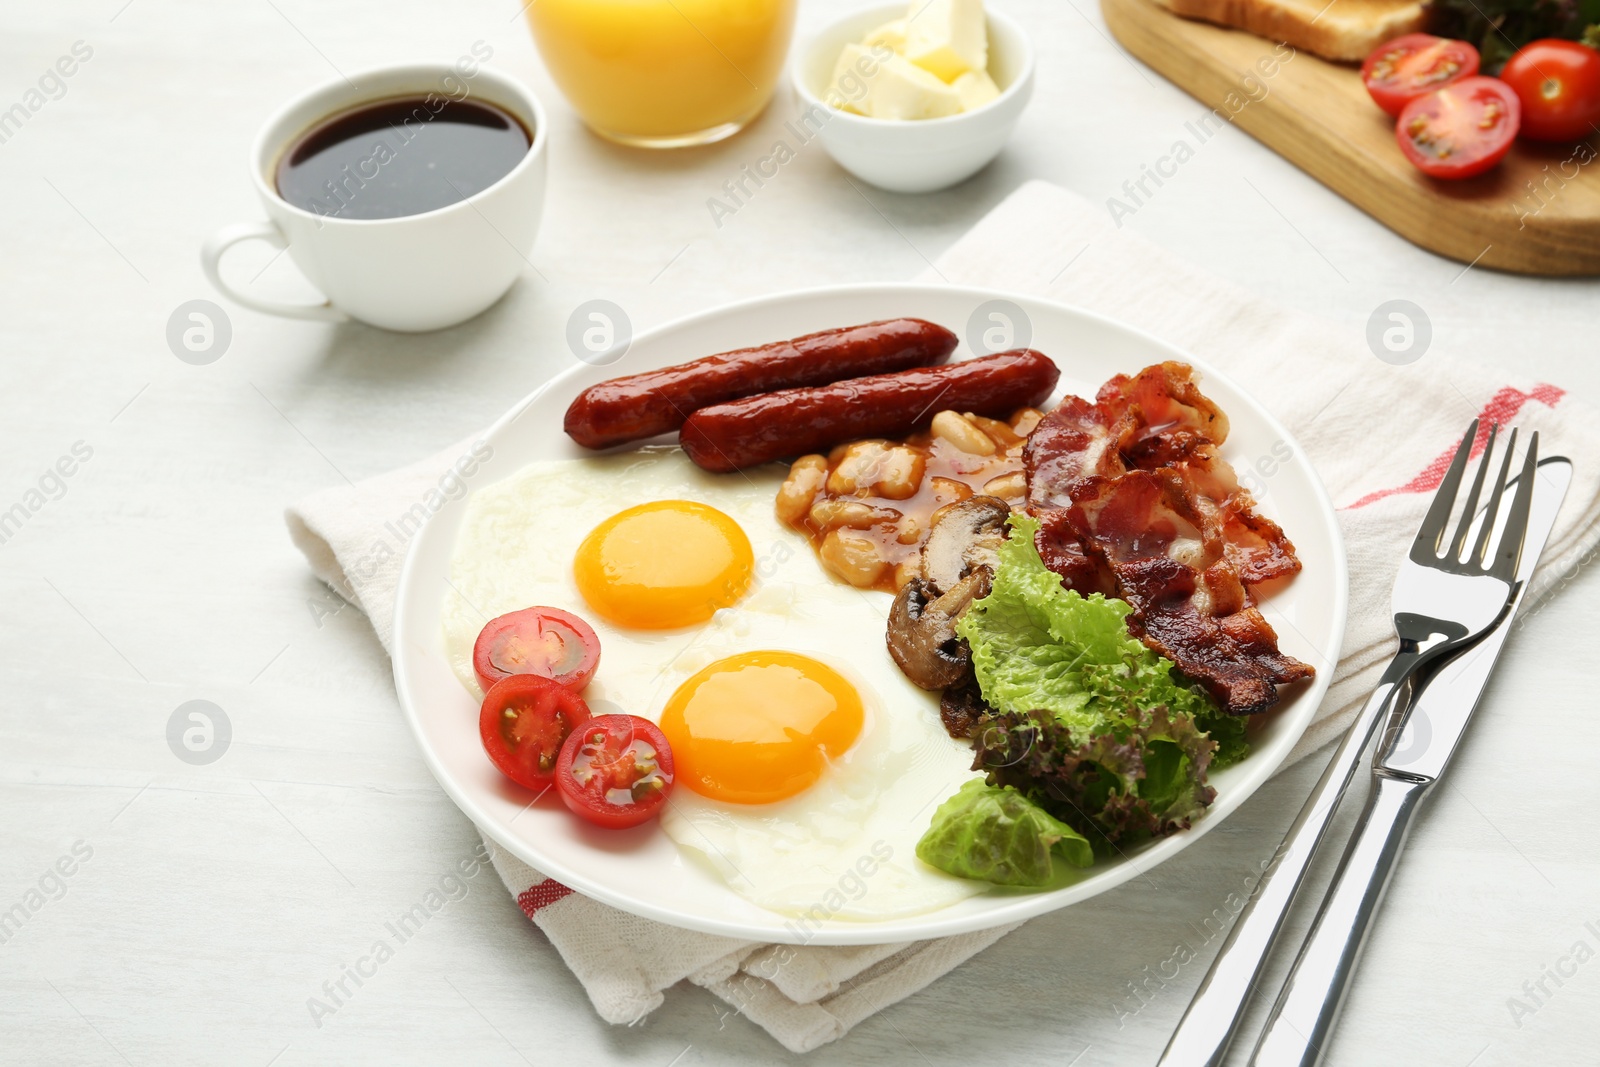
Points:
x=1558, y=83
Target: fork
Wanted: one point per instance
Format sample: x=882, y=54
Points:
x=1298, y=1029
x=1441, y=604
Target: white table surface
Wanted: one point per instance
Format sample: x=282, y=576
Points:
x=218, y=898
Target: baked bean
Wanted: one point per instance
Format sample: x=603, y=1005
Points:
x=949, y=491
x=854, y=557
x=800, y=488
x=1025, y=420
x=954, y=427
x=909, y=530
x=872, y=468
x=1001, y=433
x=831, y=514
x=1008, y=487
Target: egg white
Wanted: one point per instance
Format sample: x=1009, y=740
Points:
x=842, y=849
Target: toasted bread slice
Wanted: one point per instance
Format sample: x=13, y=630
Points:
x=1333, y=29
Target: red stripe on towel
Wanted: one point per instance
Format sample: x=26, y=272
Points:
x=541, y=895
x=1501, y=408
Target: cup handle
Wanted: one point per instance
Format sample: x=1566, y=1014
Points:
x=211, y=258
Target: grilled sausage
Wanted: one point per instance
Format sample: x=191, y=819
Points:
x=644, y=405
x=757, y=429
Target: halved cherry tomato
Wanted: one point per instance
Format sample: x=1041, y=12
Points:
x=545, y=641
x=1460, y=130
x=1399, y=71
x=615, y=770
x=1558, y=83
x=524, y=722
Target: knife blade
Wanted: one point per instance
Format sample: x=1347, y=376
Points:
x=1412, y=755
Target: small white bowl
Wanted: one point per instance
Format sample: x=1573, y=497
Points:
x=922, y=155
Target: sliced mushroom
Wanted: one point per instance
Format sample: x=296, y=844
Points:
x=922, y=634
x=961, y=709
x=964, y=540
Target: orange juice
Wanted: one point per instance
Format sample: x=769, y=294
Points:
x=664, y=72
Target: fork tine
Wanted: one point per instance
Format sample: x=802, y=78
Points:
x=1491, y=511
x=1509, y=552
x=1471, y=507
x=1431, y=535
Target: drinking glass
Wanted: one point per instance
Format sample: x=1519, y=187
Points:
x=664, y=73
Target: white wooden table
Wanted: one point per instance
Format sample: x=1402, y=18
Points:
x=206, y=904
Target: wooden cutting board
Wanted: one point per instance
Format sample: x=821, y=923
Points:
x=1537, y=213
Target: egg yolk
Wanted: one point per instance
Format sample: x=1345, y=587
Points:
x=760, y=726
x=663, y=565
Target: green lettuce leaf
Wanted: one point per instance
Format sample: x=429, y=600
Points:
x=1036, y=646
x=998, y=835
x=1089, y=723
x=1140, y=778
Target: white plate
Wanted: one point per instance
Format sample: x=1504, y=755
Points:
x=642, y=871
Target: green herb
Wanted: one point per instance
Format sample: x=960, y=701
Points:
x=1499, y=27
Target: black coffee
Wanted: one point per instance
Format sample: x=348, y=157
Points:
x=400, y=157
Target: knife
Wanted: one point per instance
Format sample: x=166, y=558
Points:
x=1416, y=748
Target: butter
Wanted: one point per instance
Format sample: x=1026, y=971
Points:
x=975, y=88
x=882, y=85
x=852, y=76
x=892, y=35
x=903, y=90
x=932, y=63
x=947, y=38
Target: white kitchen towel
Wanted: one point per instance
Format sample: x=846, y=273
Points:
x=1379, y=435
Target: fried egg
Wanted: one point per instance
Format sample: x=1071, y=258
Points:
x=761, y=726
x=807, y=765
x=663, y=565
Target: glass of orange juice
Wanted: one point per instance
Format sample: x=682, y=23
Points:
x=664, y=73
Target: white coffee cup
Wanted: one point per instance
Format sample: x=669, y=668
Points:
x=411, y=273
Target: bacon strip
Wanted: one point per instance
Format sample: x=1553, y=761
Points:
x=1134, y=502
